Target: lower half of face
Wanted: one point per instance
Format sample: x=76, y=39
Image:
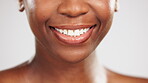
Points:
x=70, y=30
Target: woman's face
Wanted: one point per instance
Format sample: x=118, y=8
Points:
x=69, y=29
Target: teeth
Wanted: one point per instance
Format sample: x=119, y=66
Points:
x=72, y=33
x=65, y=31
x=81, y=31
x=77, y=32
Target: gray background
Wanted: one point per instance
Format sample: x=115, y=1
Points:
x=124, y=49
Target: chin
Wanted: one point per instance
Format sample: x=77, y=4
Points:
x=74, y=56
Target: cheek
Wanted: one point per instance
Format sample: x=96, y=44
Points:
x=44, y=10
x=38, y=16
x=104, y=13
x=38, y=10
x=102, y=9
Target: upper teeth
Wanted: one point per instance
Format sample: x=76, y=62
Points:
x=73, y=33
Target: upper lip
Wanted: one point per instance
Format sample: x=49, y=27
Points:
x=72, y=27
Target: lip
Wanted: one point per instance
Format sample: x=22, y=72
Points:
x=73, y=27
x=73, y=40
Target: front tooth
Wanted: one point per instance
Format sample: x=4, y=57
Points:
x=85, y=30
x=70, y=32
x=60, y=30
x=77, y=32
x=81, y=31
x=65, y=31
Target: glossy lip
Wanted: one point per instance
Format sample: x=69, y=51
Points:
x=73, y=40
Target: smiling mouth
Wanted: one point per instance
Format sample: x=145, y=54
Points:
x=72, y=34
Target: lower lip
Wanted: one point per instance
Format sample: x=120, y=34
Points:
x=73, y=40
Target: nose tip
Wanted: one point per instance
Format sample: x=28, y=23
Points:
x=73, y=9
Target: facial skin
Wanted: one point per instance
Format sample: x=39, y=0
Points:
x=70, y=14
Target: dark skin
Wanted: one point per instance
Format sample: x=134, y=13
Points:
x=60, y=62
